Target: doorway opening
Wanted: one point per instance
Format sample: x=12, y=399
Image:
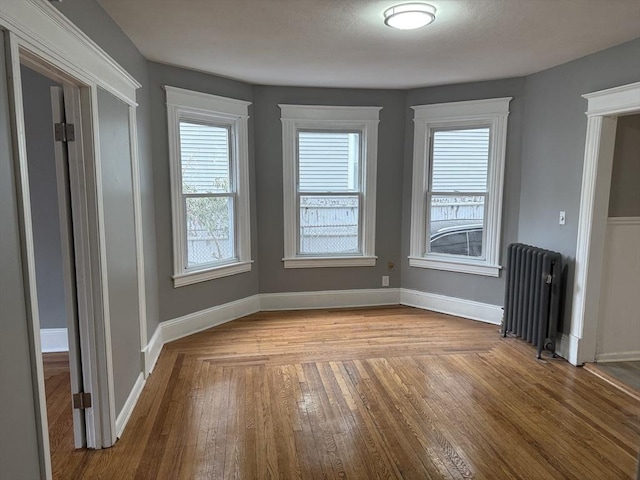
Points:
x=47, y=134
x=86, y=75
x=617, y=353
x=59, y=198
x=605, y=107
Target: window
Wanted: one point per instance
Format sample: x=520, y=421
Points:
x=458, y=172
x=329, y=185
x=209, y=185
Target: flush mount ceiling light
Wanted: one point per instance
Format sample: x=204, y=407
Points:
x=408, y=16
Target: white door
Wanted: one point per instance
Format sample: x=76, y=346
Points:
x=62, y=156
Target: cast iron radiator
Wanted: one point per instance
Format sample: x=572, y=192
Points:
x=532, y=295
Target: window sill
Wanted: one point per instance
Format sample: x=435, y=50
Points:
x=456, y=266
x=189, y=278
x=321, y=262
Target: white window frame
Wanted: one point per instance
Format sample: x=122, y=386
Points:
x=329, y=118
x=427, y=118
x=187, y=105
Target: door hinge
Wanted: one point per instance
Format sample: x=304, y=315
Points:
x=64, y=132
x=81, y=400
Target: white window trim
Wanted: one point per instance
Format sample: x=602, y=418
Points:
x=187, y=104
x=492, y=112
x=314, y=117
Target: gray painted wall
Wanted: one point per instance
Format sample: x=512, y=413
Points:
x=268, y=143
x=175, y=302
x=44, y=198
x=624, y=200
x=89, y=16
x=554, y=136
x=471, y=287
x=18, y=434
x=117, y=194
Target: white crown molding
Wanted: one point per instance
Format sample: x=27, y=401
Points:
x=326, y=113
x=125, y=414
x=614, y=101
x=468, y=110
x=180, y=97
x=54, y=340
x=459, y=307
x=47, y=33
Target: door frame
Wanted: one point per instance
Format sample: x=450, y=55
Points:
x=39, y=36
x=604, y=107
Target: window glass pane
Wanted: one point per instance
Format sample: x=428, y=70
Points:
x=328, y=161
x=475, y=243
x=329, y=224
x=451, y=243
x=459, y=160
x=209, y=230
x=204, y=153
x=451, y=219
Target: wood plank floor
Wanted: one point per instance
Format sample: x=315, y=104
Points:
x=622, y=375
x=58, y=391
x=366, y=393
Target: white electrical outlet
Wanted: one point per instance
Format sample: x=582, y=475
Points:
x=385, y=280
x=563, y=218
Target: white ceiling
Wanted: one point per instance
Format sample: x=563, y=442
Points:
x=344, y=43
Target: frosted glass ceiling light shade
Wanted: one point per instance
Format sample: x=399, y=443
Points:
x=408, y=16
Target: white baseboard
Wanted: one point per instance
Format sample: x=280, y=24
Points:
x=152, y=351
x=127, y=409
x=211, y=317
x=617, y=357
x=567, y=347
x=195, y=322
x=459, y=307
x=329, y=299
x=54, y=340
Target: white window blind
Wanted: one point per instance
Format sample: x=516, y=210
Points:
x=328, y=161
x=460, y=160
x=204, y=152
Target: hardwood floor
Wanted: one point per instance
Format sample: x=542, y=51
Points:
x=622, y=375
x=366, y=393
x=58, y=391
